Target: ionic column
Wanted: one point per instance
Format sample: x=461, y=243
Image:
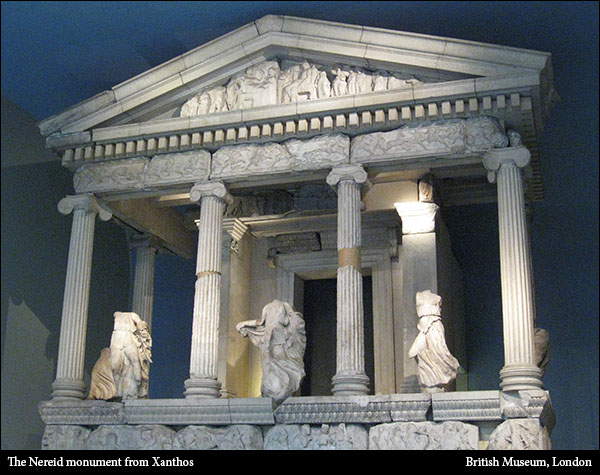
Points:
x=71, y=346
x=350, y=377
x=518, y=310
x=203, y=382
x=143, y=284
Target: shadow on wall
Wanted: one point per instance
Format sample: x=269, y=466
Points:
x=35, y=243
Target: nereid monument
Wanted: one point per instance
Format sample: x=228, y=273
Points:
x=290, y=151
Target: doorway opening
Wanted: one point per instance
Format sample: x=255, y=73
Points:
x=320, y=319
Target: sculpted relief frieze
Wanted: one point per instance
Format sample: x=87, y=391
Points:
x=320, y=152
x=140, y=173
x=449, y=138
x=267, y=83
x=442, y=138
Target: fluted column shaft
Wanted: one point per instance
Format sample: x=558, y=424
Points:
x=143, y=284
x=71, y=347
x=518, y=308
x=203, y=381
x=350, y=377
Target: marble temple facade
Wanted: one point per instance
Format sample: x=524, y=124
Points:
x=301, y=150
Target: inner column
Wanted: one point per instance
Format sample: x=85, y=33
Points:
x=203, y=382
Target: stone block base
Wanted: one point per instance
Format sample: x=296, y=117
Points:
x=445, y=421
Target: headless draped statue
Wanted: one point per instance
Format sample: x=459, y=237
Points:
x=122, y=371
x=281, y=337
x=436, y=366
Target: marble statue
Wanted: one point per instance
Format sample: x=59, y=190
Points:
x=436, y=365
x=266, y=84
x=281, y=337
x=102, y=384
x=340, y=83
x=122, y=371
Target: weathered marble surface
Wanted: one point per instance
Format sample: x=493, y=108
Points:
x=123, y=370
x=137, y=173
x=520, y=434
x=267, y=84
x=281, y=337
x=450, y=435
x=235, y=437
x=436, y=366
x=354, y=409
x=316, y=437
x=62, y=437
x=128, y=437
x=444, y=137
x=324, y=151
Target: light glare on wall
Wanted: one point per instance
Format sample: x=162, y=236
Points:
x=417, y=217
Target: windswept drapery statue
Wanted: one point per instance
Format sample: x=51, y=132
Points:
x=281, y=337
x=122, y=371
x=436, y=365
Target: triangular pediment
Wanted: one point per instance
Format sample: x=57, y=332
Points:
x=423, y=62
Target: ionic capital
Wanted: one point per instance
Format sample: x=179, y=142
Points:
x=213, y=188
x=87, y=203
x=144, y=240
x=495, y=158
x=355, y=173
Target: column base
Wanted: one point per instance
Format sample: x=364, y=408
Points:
x=520, y=377
x=68, y=389
x=202, y=388
x=350, y=385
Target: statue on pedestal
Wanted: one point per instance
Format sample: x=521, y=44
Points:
x=122, y=371
x=436, y=365
x=281, y=337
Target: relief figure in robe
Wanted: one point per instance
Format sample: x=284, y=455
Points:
x=436, y=366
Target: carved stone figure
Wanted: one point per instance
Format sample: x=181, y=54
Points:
x=448, y=435
x=520, y=434
x=267, y=84
x=130, y=355
x=436, y=365
x=102, y=384
x=122, y=371
x=426, y=189
x=380, y=81
x=340, y=83
x=315, y=437
x=304, y=87
x=255, y=87
x=323, y=85
x=281, y=337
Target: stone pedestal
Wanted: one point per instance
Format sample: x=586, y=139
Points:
x=350, y=377
x=71, y=347
x=518, y=311
x=203, y=382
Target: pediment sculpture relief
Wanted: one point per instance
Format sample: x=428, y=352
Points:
x=267, y=84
